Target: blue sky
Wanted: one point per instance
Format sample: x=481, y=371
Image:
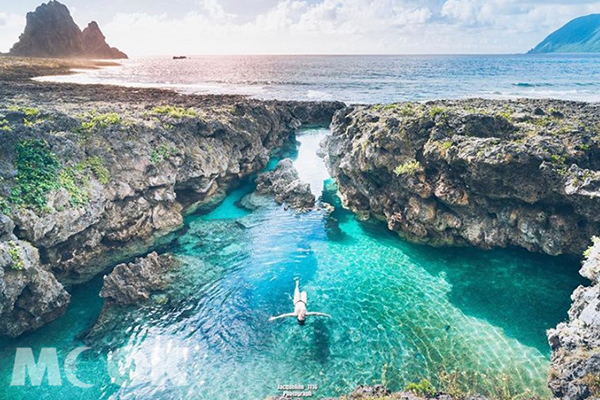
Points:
x=153, y=27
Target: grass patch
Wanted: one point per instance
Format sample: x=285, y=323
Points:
x=408, y=168
x=408, y=110
x=76, y=184
x=76, y=179
x=96, y=165
x=423, y=388
x=558, y=159
x=438, y=111
x=543, y=122
x=4, y=206
x=583, y=147
x=15, y=255
x=32, y=114
x=94, y=121
x=37, y=169
x=445, y=146
x=39, y=172
x=162, y=153
x=174, y=112
x=506, y=114
x=5, y=125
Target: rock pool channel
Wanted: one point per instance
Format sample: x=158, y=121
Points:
x=402, y=312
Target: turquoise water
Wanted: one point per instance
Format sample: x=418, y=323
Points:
x=401, y=312
x=363, y=79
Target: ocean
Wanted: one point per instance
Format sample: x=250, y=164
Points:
x=362, y=79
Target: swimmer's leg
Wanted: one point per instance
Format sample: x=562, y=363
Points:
x=297, y=297
x=303, y=297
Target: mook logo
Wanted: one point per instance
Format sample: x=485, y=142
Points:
x=160, y=366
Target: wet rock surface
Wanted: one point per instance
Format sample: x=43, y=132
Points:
x=475, y=172
x=575, y=366
x=134, y=282
x=284, y=183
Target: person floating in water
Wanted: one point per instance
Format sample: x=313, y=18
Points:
x=300, y=311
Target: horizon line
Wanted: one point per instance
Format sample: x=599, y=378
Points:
x=343, y=54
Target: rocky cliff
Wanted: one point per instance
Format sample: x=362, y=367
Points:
x=134, y=282
x=95, y=46
x=287, y=187
x=83, y=188
x=51, y=32
x=474, y=172
x=575, y=367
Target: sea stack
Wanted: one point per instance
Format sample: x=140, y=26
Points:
x=51, y=32
x=94, y=43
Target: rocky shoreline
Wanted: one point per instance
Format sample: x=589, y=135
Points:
x=121, y=167
x=94, y=178
x=575, y=365
x=478, y=173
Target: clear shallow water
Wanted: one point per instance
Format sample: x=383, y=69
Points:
x=363, y=79
x=401, y=312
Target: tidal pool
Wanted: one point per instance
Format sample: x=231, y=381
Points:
x=401, y=312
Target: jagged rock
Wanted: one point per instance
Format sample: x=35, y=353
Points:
x=285, y=184
x=157, y=172
x=6, y=227
x=30, y=296
x=474, y=172
x=51, y=32
x=134, y=282
x=95, y=44
x=575, y=365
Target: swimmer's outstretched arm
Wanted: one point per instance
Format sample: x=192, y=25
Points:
x=282, y=316
x=319, y=314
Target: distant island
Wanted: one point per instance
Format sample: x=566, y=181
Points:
x=581, y=35
x=51, y=32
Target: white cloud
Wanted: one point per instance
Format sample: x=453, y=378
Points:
x=349, y=26
x=291, y=26
x=11, y=26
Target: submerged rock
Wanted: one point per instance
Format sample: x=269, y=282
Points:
x=575, y=366
x=473, y=172
x=254, y=201
x=285, y=184
x=134, y=282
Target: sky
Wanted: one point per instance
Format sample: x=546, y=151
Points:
x=192, y=27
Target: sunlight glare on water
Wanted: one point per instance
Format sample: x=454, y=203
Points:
x=362, y=79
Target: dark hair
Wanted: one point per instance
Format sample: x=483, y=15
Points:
x=302, y=321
